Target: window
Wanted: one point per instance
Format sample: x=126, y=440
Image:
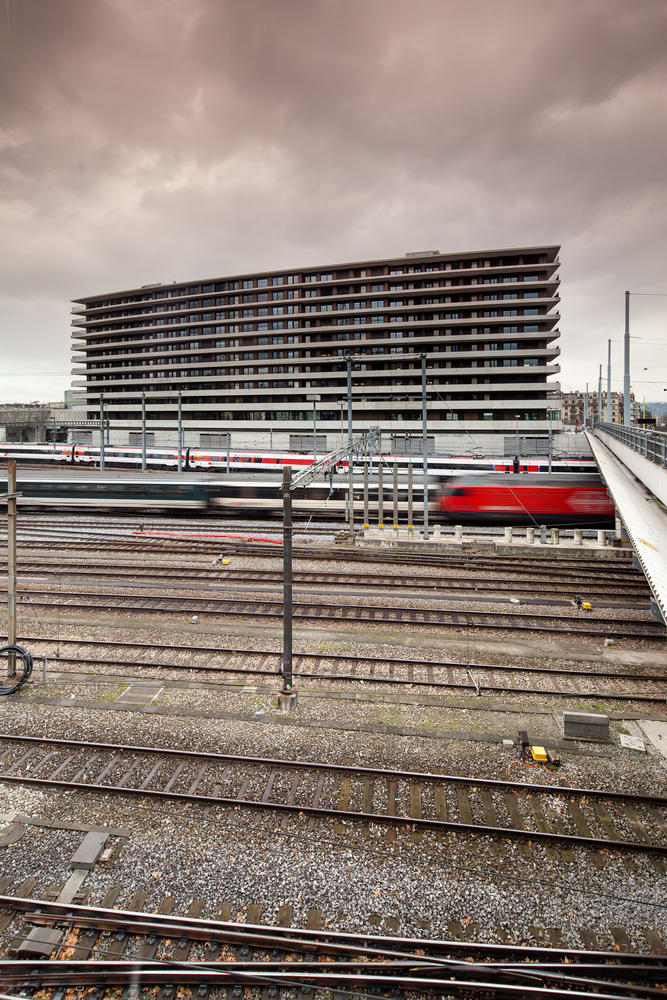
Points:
x=531, y=328
x=248, y=283
x=531, y=277
x=135, y=439
x=262, y=282
x=326, y=277
x=531, y=312
x=531, y=295
x=510, y=329
x=277, y=279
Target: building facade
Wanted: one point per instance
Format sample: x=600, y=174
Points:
x=572, y=406
x=262, y=356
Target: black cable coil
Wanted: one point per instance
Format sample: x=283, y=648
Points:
x=27, y=668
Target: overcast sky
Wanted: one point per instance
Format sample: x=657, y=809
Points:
x=158, y=140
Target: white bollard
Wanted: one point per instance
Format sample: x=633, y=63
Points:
x=618, y=528
x=555, y=536
x=458, y=532
x=436, y=532
x=530, y=536
x=508, y=535
x=602, y=537
x=578, y=539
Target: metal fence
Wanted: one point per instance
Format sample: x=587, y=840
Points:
x=650, y=444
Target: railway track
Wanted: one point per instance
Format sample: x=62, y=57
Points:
x=214, y=543
x=243, y=663
x=169, y=951
x=336, y=611
x=545, y=815
x=516, y=582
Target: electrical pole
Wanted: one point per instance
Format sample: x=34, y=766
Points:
x=101, y=433
x=609, y=381
x=600, y=396
x=143, y=432
x=626, y=364
x=424, y=446
x=180, y=433
x=11, y=562
x=350, y=498
x=586, y=407
x=287, y=580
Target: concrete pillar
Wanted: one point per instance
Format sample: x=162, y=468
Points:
x=555, y=536
x=508, y=535
x=618, y=527
x=577, y=536
x=458, y=532
x=436, y=533
x=530, y=536
x=602, y=537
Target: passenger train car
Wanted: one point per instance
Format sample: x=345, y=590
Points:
x=566, y=501
x=211, y=460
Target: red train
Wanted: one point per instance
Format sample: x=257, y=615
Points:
x=565, y=501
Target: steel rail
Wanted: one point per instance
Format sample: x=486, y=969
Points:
x=479, y=687
x=354, y=769
x=286, y=938
x=397, y=615
x=338, y=657
x=603, y=589
x=265, y=803
x=145, y=973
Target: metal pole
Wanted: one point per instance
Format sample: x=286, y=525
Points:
x=600, y=395
x=11, y=562
x=586, y=407
x=424, y=446
x=410, y=498
x=550, y=440
x=180, y=433
x=315, y=430
x=349, y=444
x=143, y=432
x=101, y=432
x=395, y=494
x=626, y=364
x=609, y=381
x=287, y=579
x=380, y=496
x=365, y=494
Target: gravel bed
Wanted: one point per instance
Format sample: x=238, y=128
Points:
x=363, y=879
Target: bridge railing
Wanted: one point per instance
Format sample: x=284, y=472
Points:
x=650, y=444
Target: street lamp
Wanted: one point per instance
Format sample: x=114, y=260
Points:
x=314, y=398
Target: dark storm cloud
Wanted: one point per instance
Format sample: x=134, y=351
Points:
x=175, y=138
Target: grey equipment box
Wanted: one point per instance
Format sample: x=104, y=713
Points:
x=585, y=726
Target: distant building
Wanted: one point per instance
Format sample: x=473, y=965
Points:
x=572, y=405
x=262, y=356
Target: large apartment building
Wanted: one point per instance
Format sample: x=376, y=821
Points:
x=262, y=356
x=572, y=408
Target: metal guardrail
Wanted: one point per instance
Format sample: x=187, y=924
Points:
x=650, y=444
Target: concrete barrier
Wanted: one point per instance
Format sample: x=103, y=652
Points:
x=585, y=726
x=578, y=537
x=602, y=537
x=508, y=534
x=458, y=532
x=555, y=536
x=530, y=536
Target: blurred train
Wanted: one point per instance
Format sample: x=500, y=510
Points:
x=211, y=460
x=484, y=499
x=567, y=501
